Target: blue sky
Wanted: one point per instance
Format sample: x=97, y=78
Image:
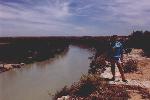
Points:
x=73, y=17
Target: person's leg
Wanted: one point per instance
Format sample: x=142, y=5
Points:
x=113, y=68
x=119, y=65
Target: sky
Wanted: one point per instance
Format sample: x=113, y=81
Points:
x=73, y=17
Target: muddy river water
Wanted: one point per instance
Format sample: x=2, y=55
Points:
x=34, y=81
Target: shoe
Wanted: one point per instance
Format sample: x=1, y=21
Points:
x=125, y=81
x=112, y=79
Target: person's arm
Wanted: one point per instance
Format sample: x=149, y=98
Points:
x=122, y=49
x=113, y=47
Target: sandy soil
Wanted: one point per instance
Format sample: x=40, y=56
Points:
x=139, y=78
x=143, y=73
x=143, y=66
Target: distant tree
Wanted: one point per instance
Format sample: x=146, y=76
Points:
x=137, y=33
x=140, y=39
x=146, y=33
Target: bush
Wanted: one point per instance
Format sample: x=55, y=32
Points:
x=97, y=65
x=130, y=66
x=92, y=87
x=63, y=92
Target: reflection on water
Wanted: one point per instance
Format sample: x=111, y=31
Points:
x=34, y=81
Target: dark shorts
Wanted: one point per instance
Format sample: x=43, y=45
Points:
x=117, y=59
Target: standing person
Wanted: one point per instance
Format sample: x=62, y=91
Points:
x=117, y=57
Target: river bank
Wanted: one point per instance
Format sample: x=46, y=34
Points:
x=16, y=53
x=10, y=64
x=96, y=86
x=7, y=67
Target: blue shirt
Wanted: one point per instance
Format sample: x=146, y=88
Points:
x=118, y=49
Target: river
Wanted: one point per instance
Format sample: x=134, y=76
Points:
x=34, y=81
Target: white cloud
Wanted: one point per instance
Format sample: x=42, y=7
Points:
x=73, y=17
x=37, y=20
x=131, y=11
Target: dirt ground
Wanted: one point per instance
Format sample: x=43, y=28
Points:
x=143, y=73
x=140, y=77
x=143, y=63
